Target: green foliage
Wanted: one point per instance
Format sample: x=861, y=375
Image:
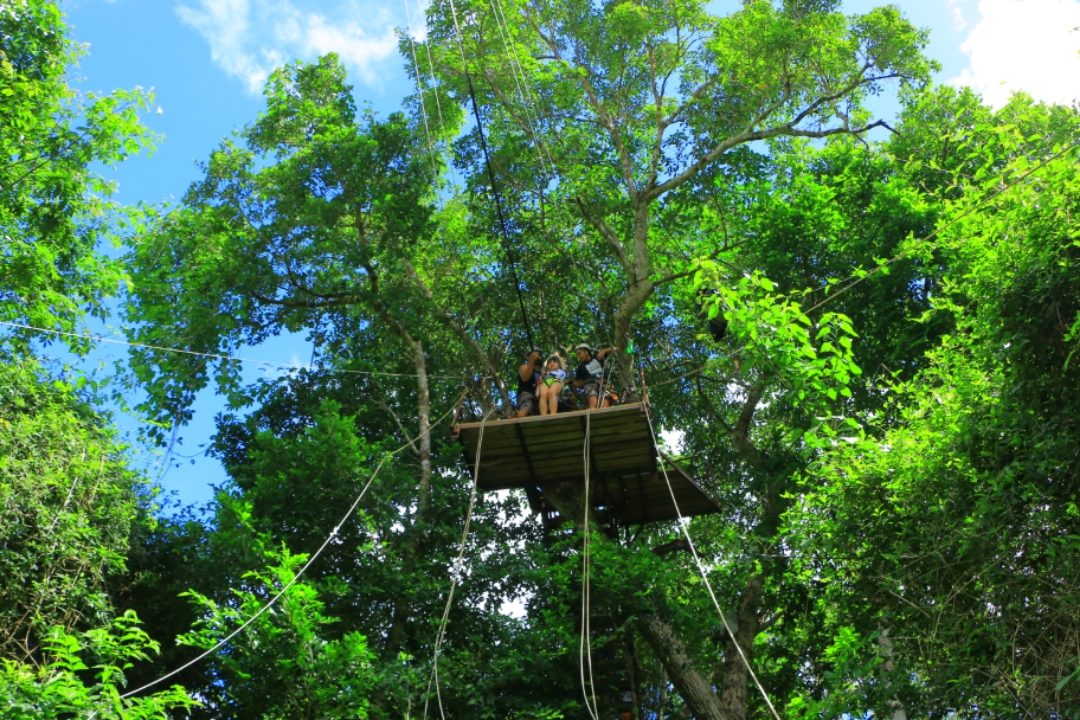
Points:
x=282, y=665
x=888, y=425
x=68, y=505
x=956, y=527
x=62, y=687
x=813, y=358
x=54, y=211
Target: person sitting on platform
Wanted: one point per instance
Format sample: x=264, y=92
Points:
x=589, y=374
x=528, y=377
x=551, y=385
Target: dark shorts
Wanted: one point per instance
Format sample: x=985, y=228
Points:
x=526, y=401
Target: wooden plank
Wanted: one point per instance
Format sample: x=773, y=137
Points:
x=541, y=451
x=598, y=415
x=494, y=442
x=619, y=455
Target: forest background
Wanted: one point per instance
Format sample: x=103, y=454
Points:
x=887, y=426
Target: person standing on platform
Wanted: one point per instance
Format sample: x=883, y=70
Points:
x=589, y=373
x=551, y=385
x=528, y=376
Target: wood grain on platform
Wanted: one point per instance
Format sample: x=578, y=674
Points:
x=627, y=481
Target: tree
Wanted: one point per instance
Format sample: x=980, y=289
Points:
x=637, y=105
x=54, y=210
x=319, y=222
x=58, y=688
x=945, y=540
x=70, y=503
x=282, y=666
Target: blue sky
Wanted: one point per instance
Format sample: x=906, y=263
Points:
x=206, y=61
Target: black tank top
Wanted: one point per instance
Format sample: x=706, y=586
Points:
x=528, y=386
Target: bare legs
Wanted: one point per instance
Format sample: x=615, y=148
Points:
x=549, y=398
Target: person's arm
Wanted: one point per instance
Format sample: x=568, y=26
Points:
x=603, y=354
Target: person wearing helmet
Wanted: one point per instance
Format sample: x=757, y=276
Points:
x=528, y=376
x=589, y=373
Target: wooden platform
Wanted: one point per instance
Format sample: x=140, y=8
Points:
x=625, y=476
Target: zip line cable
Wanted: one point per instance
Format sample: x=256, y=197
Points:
x=315, y=556
x=491, y=177
x=521, y=84
x=215, y=356
x=455, y=575
x=701, y=569
x=438, y=103
x=499, y=211
x=527, y=97
x=531, y=119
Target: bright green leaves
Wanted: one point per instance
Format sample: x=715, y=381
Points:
x=68, y=504
x=53, y=210
x=60, y=687
x=811, y=358
x=283, y=663
x=804, y=66
x=289, y=230
x=950, y=517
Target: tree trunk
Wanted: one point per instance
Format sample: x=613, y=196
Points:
x=639, y=290
x=423, y=499
x=423, y=396
x=569, y=500
x=632, y=675
x=734, y=684
x=458, y=329
x=695, y=689
x=886, y=650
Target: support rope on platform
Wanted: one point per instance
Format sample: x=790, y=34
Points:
x=455, y=574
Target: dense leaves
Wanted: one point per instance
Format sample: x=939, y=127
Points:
x=886, y=421
x=54, y=210
x=69, y=505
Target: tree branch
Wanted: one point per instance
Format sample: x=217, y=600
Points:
x=458, y=329
x=609, y=235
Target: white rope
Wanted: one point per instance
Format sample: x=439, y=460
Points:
x=704, y=575
x=454, y=575
x=585, y=644
x=281, y=593
x=529, y=103
x=420, y=89
x=438, y=103
x=215, y=356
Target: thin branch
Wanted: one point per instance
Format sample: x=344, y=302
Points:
x=609, y=235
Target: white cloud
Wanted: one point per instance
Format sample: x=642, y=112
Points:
x=1024, y=45
x=250, y=38
x=959, y=21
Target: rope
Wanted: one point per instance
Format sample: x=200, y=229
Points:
x=438, y=103
x=528, y=101
x=491, y=177
x=704, y=575
x=311, y=560
x=216, y=356
x=420, y=88
x=434, y=677
x=585, y=644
